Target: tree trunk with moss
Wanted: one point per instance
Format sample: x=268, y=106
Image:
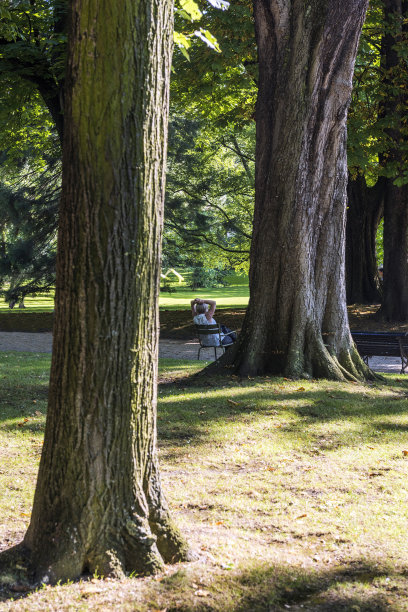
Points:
x=365, y=207
x=98, y=504
x=296, y=322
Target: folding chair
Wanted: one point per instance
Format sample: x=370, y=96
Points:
x=205, y=334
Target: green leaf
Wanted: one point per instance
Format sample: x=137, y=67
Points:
x=191, y=8
x=183, y=43
x=208, y=38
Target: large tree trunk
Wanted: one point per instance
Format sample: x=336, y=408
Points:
x=395, y=301
x=296, y=321
x=98, y=504
x=364, y=211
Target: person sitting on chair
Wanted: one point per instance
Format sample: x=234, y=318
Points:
x=203, y=311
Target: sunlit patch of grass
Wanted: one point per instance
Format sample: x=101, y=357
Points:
x=23, y=399
x=292, y=493
x=43, y=302
x=226, y=297
x=232, y=296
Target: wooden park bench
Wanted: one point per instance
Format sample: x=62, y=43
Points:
x=382, y=344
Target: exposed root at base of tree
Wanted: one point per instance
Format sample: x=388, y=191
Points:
x=172, y=546
x=318, y=362
x=139, y=548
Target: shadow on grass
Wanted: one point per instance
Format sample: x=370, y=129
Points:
x=185, y=413
x=361, y=585
x=22, y=402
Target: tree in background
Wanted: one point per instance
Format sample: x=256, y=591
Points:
x=209, y=194
x=32, y=50
x=296, y=322
x=365, y=187
x=32, y=57
x=377, y=162
x=394, y=55
x=28, y=212
x=98, y=503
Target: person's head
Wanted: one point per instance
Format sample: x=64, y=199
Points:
x=201, y=308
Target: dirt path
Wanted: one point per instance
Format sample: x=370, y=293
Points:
x=170, y=349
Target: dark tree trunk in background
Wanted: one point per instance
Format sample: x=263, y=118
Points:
x=98, y=504
x=364, y=211
x=395, y=300
x=296, y=321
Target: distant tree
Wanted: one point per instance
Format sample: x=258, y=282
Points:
x=296, y=322
x=365, y=189
x=98, y=503
x=395, y=114
x=365, y=207
x=378, y=151
x=28, y=226
x=209, y=193
x=32, y=50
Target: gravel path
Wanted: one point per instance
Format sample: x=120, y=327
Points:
x=42, y=343
x=172, y=349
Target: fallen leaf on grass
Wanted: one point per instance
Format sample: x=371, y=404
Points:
x=230, y=401
x=23, y=422
x=300, y=389
x=219, y=523
x=25, y=514
x=202, y=593
x=301, y=516
x=38, y=413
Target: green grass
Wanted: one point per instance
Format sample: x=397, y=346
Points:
x=294, y=494
x=43, y=302
x=235, y=295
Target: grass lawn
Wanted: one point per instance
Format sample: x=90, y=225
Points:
x=235, y=295
x=292, y=493
x=43, y=302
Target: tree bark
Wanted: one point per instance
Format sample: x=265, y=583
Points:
x=395, y=302
x=364, y=211
x=394, y=306
x=98, y=503
x=296, y=321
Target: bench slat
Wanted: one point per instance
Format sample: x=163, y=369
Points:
x=382, y=344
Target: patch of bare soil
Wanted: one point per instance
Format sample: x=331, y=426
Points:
x=363, y=317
